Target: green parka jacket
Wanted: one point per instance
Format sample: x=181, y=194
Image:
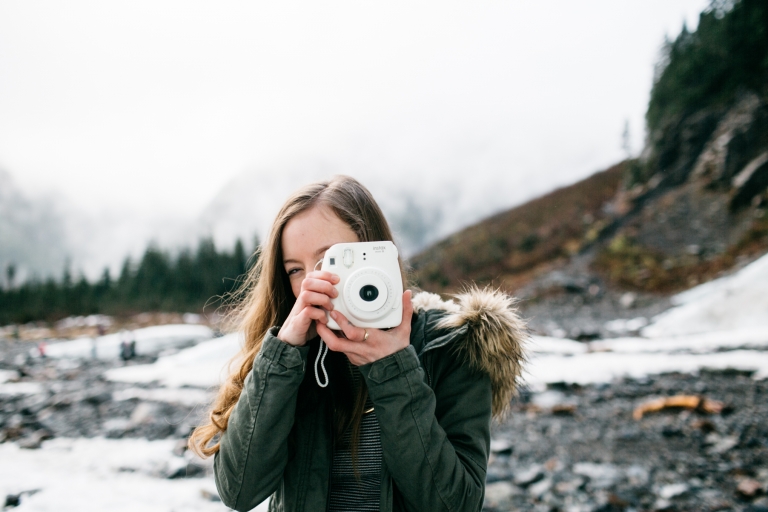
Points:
x=434, y=401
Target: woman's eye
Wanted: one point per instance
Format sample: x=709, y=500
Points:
x=292, y=271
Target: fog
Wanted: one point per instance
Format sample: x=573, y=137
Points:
x=174, y=120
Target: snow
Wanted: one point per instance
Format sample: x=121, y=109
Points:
x=201, y=366
x=754, y=338
x=722, y=324
x=738, y=301
x=20, y=388
x=718, y=325
x=562, y=346
x=93, y=475
x=599, y=367
x=6, y=375
x=148, y=339
x=183, y=396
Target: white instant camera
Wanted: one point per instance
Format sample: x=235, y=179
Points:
x=370, y=286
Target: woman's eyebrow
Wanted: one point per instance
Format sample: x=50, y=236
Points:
x=317, y=253
x=322, y=249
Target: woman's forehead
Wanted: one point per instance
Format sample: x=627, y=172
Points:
x=310, y=233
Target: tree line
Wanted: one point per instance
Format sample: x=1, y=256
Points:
x=725, y=55
x=186, y=282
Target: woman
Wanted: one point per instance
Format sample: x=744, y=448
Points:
x=404, y=424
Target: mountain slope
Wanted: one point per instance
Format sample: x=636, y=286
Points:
x=512, y=247
x=702, y=211
x=690, y=208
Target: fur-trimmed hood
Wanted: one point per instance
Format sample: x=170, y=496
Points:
x=491, y=334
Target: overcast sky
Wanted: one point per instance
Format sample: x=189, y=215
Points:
x=154, y=106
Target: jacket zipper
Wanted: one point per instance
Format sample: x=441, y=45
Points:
x=426, y=371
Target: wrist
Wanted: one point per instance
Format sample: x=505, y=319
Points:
x=285, y=337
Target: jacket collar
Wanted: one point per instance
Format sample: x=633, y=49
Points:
x=485, y=326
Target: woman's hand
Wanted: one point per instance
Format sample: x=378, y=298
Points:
x=309, y=310
x=379, y=344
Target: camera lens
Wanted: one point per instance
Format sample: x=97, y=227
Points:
x=369, y=293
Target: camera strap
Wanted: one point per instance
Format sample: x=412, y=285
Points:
x=320, y=359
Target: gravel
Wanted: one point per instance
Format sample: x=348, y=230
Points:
x=567, y=448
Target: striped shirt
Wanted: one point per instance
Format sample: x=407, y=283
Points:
x=348, y=492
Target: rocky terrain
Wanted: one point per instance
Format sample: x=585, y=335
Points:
x=72, y=398
x=693, y=207
x=579, y=448
x=566, y=447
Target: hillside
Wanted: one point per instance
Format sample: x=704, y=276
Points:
x=690, y=208
x=661, y=236
x=511, y=248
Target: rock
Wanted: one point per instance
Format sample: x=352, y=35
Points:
x=752, y=180
x=585, y=333
x=628, y=300
x=496, y=474
x=180, y=448
x=615, y=504
x=143, y=413
x=662, y=505
x=638, y=476
x=554, y=465
x=721, y=444
x=538, y=489
x=570, y=486
x=188, y=470
x=499, y=493
x=14, y=500
x=548, y=399
x=209, y=496
x=670, y=491
x=98, y=398
x=529, y=476
x=601, y=476
x=35, y=439
x=501, y=446
x=749, y=487
x=116, y=427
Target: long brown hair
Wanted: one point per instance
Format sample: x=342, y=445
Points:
x=265, y=299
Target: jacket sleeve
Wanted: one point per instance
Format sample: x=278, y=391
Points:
x=435, y=444
x=254, y=448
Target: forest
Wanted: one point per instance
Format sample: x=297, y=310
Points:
x=192, y=280
x=726, y=55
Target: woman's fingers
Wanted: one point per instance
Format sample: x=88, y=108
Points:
x=334, y=342
x=307, y=298
x=319, y=286
x=322, y=275
x=350, y=331
x=315, y=314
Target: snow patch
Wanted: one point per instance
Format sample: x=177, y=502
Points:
x=93, y=475
x=148, y=339
x=598, y=367
x=20, y=388
x=183, y=396
x=8, y=375
x=738, y=301
x=201, y=366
